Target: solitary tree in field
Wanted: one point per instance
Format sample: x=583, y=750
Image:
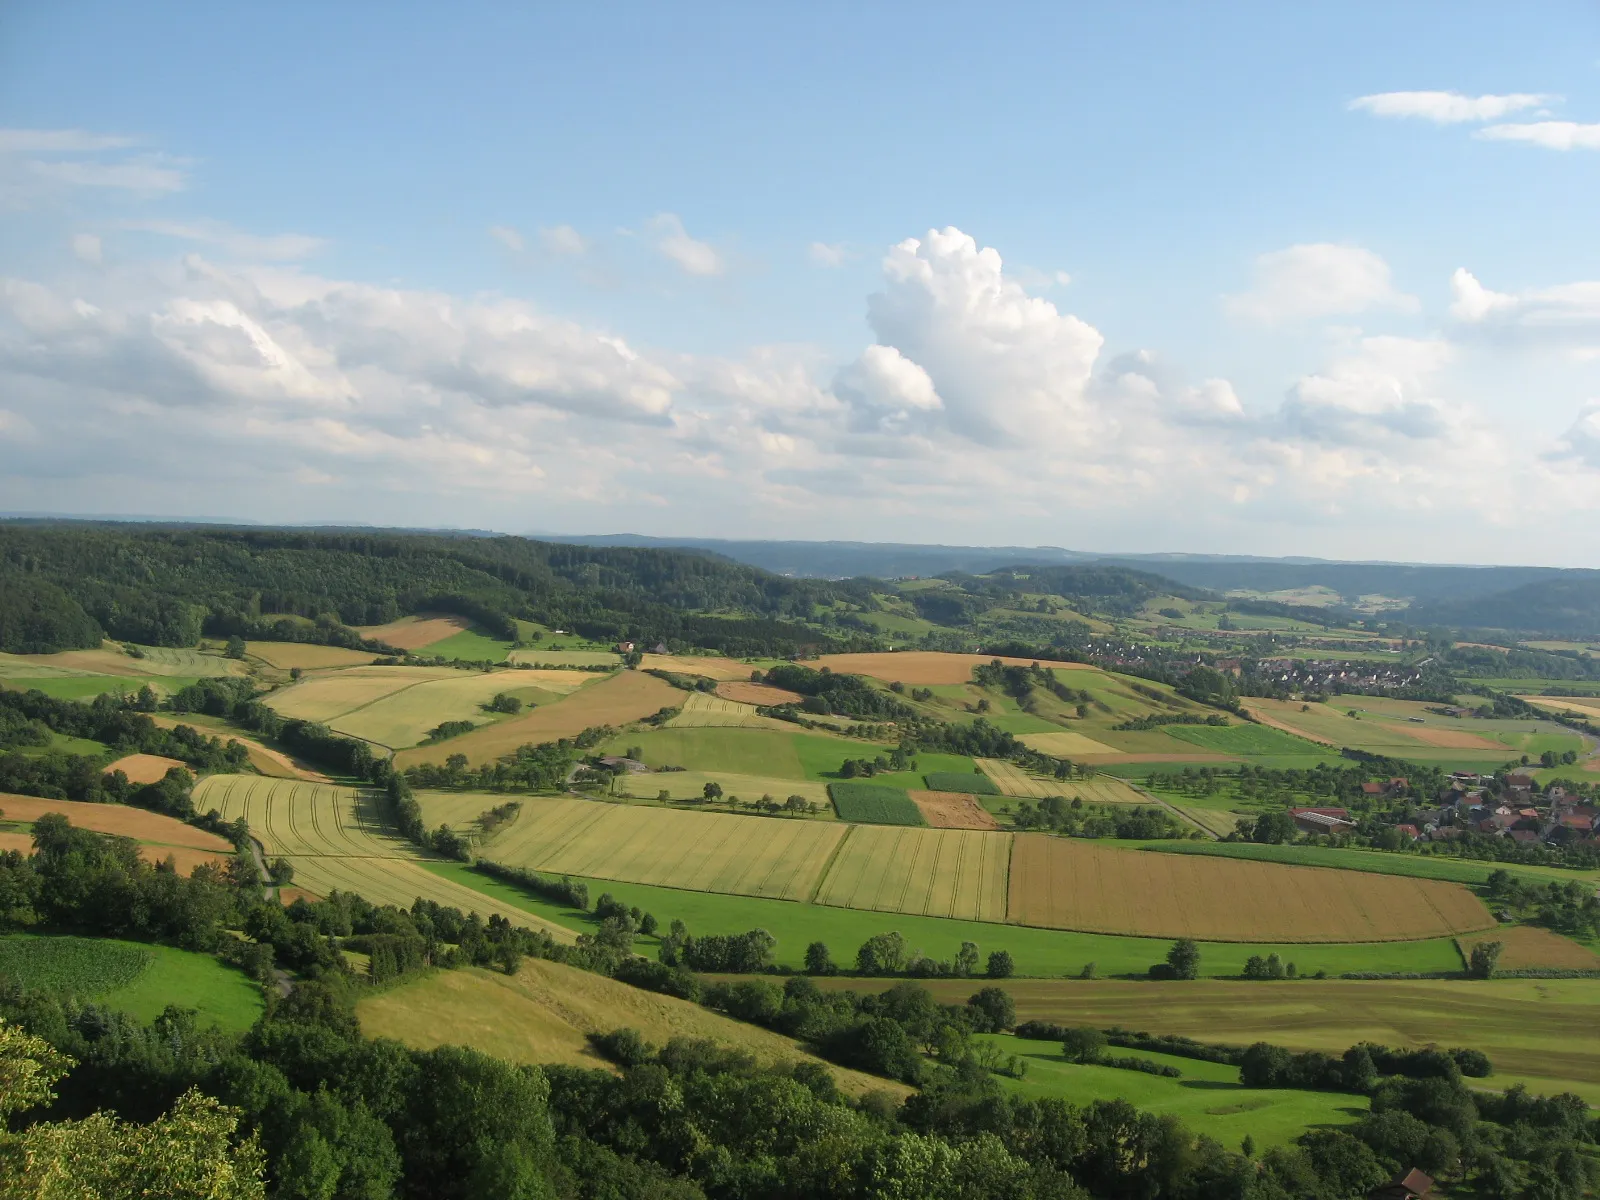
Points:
x=1184, y=959
x=712, y=790
x=1083, y=1044
x=1001, y=965
x=1485, y=957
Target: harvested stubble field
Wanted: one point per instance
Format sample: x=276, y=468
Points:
x=545, y=1013
x=325, y=697
x=1526, y=947
x=874, y=804
x=612, y=700
x=919, y=668
x=710, y=852
x=929, y=872
x=690, y=785
x=335, y=838
x=693, y=664
x=1014, y=781
x=1536, y=1030
x=1065, y=744
x=412, y=633
x=1102, y=789
x=144, y=768
x=702, y=710
x=1067, y=883
x=117, y=819
x=952, y=810
x=756, y=693
x=307, y=656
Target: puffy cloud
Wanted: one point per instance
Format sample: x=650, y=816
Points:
x=1318, y=279
x=673, y=241
x=1376, y=396
x=1552, y=135
x=887, y=383
x=1446, y=108
x=1568, y=313
x=827, y=254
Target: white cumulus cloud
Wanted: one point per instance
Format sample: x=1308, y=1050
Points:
x=1552, y=135
x=673, y=241
x=1447, y=108
x=1568, y=312
x=1318, y=279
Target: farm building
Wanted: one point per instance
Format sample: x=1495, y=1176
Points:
x=1321, y=820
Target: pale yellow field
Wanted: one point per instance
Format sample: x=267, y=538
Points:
x=1101, y=789
x=324, y=697
x=1524, y=946
x=110, y=659
x=1064, y=744
x=1012, y=780
x=1588, y=706
x=932, y=872
x=1069, y=883
x=544, y=1014
x=702, y=710
x=308, y=657
x=336, y=839
x=694, y=664
x=458, y=809
x=685, y=785
x=708, y=852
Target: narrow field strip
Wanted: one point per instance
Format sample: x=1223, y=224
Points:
x=927, y=872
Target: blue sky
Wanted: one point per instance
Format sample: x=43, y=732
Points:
x=642, y=267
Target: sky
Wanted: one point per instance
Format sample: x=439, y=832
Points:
x=1309, y=279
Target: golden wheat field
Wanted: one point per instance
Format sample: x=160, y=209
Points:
x=1068, y=883
x=307, y=656
x=1524, y=946
x=118, y=819
x=706, y=852
x=932, y=872
x=336, y=839
x=1014, y=781
x=695, y=664
x=1066, y=744
x=701, y=710
x=144, y=768
x=756, y=693
x=689, y=785
x=613, y=700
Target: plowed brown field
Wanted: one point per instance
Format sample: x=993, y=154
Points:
x=1067, y=883
x=756, y=693
x=115, y=818
x=953, y=810
x=412, y=633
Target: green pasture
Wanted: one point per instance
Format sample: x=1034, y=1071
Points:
x=1381, y=862
x=467, y=646
x=1047, y=953
x=1208, y=1098
x=1252, y=740
x=87, y=687
x=134, y=977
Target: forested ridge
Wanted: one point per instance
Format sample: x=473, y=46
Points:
x=166, y=586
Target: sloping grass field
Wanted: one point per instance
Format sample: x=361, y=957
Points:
x=873, y=804
x=544, y=1013
x=714, y=852
x=1239, y=739
x=1072, y=884
x=930, y=872
x=307, y=656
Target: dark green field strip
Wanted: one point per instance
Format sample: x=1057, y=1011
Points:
x=956, y=781
x=872, y=804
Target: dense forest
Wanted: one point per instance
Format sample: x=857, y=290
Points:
x=63, y=584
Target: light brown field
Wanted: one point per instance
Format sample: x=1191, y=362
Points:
x=184, y=858
x=413, y=633
x=708, y=852
x=931, y=872
x=323, y=697
x=694, y=664
x=1524, y=946
x=756, y=693
x=119, y=819
x=544, y=1014
x=565, y=658
x=273, y=763
x=110, y=659
x=920, y=668
x=288, y=895
x=308, y=657
x=628, y=696
x=701, y=710
x=1065, y=744
x=1448, y=739
x=144, y=768
x=952, y=810
x=1069, y=883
